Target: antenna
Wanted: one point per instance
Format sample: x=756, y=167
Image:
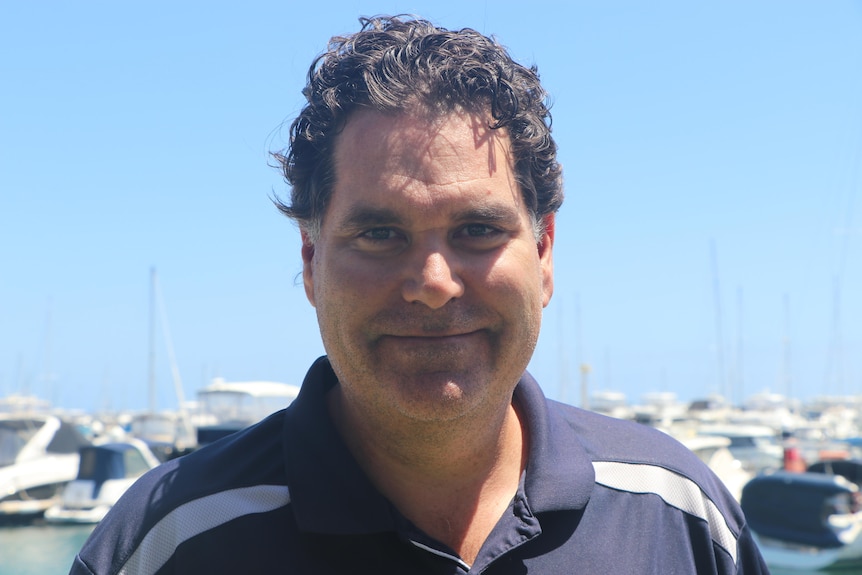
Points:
x=583, y=368
x=719, y=336
x=740, y=347
x=563, y=356
x=788, y=377
x=47, y=377
x=834, y=367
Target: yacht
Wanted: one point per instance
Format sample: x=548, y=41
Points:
x=105, y=472
x=225, y=407
x=38, y=457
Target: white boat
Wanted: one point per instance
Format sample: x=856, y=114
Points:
x=105, y=472
x=757, y=447
x=169, y=434
x=715, y=452
x=38, y=457
x=611, y=403
x=809, y=521
x=660, y=409
x=226, y=407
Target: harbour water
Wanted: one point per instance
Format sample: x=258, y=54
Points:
x=40, y=549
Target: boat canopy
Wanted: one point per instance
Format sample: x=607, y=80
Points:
x=17, y=433
x=794, y=507
x=849, y=469
x=100, y=463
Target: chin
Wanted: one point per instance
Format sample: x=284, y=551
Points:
x=439, y=397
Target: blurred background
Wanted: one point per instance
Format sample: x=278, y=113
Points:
x=710, y=241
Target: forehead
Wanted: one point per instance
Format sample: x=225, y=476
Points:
x=435, y=161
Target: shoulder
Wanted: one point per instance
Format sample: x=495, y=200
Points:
x=239, y=475
x=624, y=483
x=633, y=462
x=631, y=457
x=606, y=438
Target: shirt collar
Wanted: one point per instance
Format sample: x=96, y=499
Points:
x=331, y=494
x=560, y=474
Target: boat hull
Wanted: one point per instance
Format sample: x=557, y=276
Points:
x=805, y=521
x=780, y=555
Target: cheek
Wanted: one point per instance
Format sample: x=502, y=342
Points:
x=346, y=286
x=519, y=279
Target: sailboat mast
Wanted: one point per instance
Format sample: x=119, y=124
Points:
x=151, y=380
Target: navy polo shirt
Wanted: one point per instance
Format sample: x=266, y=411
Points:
x=599, y=495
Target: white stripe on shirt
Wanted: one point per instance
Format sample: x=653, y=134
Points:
x=676, y=490
x=195, y=517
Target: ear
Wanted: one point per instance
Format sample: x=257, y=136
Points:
x=307, y=267
x=546, y=258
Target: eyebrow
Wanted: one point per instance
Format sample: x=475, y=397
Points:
x=362, y=216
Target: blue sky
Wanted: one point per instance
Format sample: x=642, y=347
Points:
x=711, y=238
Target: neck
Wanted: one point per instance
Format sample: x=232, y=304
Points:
x=453, y=480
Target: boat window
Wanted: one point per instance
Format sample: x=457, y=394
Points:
x=742, y=441
x=136, y=465
x=88, y=464
x=225, y=406
x=14, y=434
x=10, y=444
x=840, y=503
x=232, y=406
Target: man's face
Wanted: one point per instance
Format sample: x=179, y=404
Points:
x=427, y=276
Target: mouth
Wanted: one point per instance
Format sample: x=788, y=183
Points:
x=431, y=339
x=432, y=334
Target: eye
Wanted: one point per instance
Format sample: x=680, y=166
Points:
x=380, y=240
x=478, y=236
x=478, y=231
x=378, y=234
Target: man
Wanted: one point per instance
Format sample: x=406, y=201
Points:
x=425, y=183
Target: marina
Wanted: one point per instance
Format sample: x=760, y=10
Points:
x=60, y=472
x=796, y=468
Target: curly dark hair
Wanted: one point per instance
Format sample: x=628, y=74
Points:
x=396, y=64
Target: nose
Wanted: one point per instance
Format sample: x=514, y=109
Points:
x=433, y=279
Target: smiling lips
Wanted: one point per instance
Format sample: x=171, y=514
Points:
x=444, y=342
x=426, y=328
x=430, y=338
